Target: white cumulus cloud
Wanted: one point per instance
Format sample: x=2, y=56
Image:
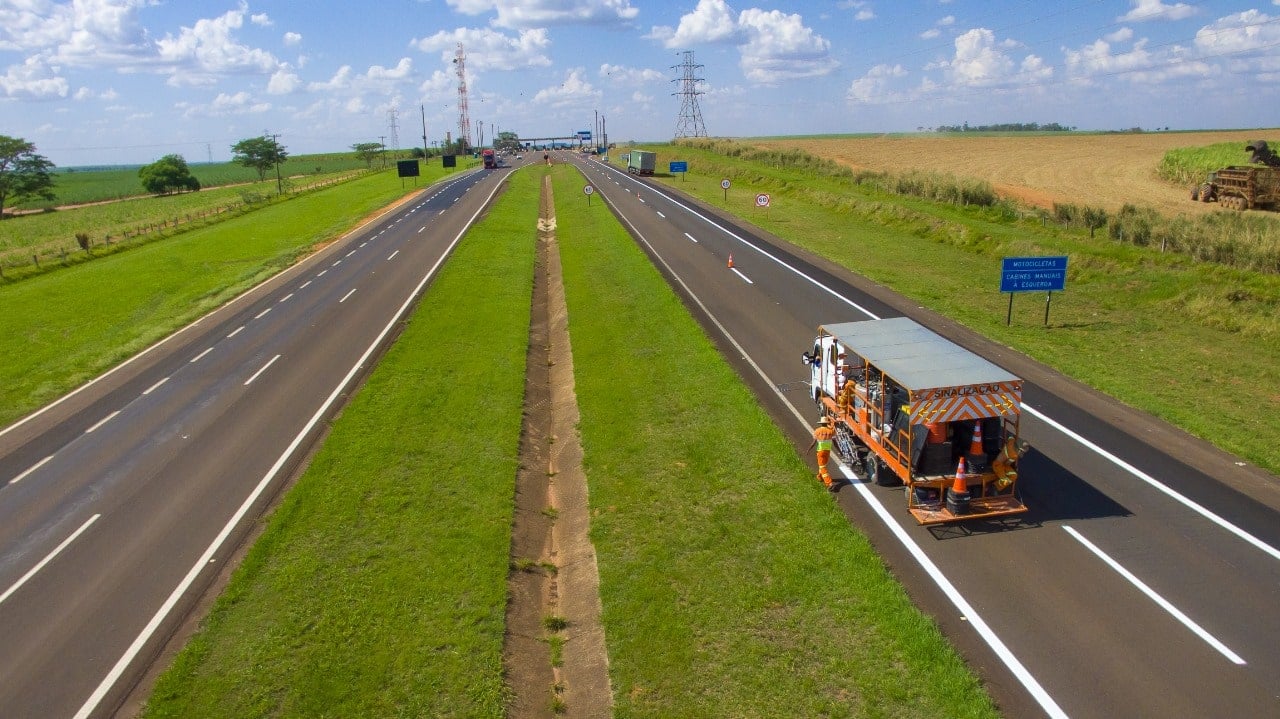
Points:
x=291, y=38
x=575, y=90
x=33, y=80
x=620, y=74
x=516, y=14
x=1144, y=10
x=489, y=49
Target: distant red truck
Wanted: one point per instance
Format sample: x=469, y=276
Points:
x=490, y=160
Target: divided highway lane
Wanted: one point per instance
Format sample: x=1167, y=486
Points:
x=1138, y=585
x=119, y=503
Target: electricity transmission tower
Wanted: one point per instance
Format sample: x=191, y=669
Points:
x=464, y=115
x=689, y=124
x=393, y=129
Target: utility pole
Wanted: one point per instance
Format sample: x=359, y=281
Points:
x=425, y=154
x=689, y=124
x=382, y=143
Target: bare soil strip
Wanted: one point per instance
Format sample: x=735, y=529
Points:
x=554, y=652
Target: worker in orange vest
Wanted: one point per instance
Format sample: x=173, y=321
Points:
x=823, y=438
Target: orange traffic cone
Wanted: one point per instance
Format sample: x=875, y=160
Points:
x=730, y=260
x=958, y=496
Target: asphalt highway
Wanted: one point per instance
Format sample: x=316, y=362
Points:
x=120, y=503
x=1144, y=580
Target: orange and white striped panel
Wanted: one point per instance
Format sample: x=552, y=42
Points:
x=949, y=404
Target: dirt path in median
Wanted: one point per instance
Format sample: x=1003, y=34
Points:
x=554, y=651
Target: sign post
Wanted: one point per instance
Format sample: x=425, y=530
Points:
x=679, y=166
x=724, y=185
x=763, y=200
x=1032, y=274
x=587, y=190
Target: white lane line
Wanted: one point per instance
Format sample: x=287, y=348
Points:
x=155, y=386
x=690, y=237
x=344, y=297
x=286, y=297
x=966, y=610
x=736, y=272
x=30, y=469
x=441, y=212
x=393, y=254
x=113, y=676
x=420, y=229
x=102, y=421
x=351, y=253
x=362, y=244
x=1151, y=594
x=322, y=273
x=262, y=314
x=200, y=356
x=661, y=215
x=335, y=264
x=48, y=558
x=1158, y=485
x=264, y=369
x=303, y=286
x=236, y=331
x=1190, y=504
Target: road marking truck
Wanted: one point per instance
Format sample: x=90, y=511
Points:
x=913, y=408
x=490, y=160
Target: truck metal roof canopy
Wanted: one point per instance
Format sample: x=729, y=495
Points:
x=914, y=356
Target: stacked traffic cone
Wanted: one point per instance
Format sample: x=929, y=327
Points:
x=731, y=260
x=977, y=455
x=958, y=496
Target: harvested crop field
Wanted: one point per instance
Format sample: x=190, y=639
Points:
x=1099, y=170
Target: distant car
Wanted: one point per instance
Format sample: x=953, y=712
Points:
x=519, y=157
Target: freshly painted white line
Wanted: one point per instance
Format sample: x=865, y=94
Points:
x=336, y=263
x=303, y=286
x=736, y=272
x=264, y=369
x=966, y=610
x=1158, y=485
x=102, y=421
x=393, y=254
x=1151, y=594
x=262, y=314
x=48, y=558
x=690, y=237
x=1249, y=538
x=351, y=253
x=236, y=331
x=661, y=215
x=420, y=229
x=156, y=386
x=30, y=469
x=113, y=676
x=344, y=297
x=200, y=356
x=362, y=244
x=322, y=273
x=286, y=297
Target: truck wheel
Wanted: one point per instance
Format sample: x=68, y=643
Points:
x=879, y=473
x=1206, y=193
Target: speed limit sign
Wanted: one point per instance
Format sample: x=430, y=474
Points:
x=588, y=190
x=724, y=184
x=762, y=200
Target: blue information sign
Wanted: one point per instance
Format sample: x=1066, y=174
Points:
x=1033, y=274
x=678, y=166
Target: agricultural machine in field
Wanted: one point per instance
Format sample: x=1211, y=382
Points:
x=1244, y=187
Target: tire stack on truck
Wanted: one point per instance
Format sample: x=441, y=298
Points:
x=913, y=408
x=1244, y=187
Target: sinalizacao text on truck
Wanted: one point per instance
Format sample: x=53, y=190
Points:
x=913, y=408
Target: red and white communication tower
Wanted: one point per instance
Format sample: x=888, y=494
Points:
x=464, y=116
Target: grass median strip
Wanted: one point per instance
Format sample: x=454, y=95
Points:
x=731, y=584
x=379, y=586
x=60, y=329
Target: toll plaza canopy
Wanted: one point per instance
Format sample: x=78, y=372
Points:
x=916, y=357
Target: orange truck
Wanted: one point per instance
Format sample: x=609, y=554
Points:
x=913, y=408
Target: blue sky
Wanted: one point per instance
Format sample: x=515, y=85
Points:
x=127, y=81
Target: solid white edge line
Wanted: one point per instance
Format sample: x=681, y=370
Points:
x=132, y=651
x=200, y=356
x=102, y=421
x=156, y=386
x=736, y=272
x=1186, y=501
x=344, y=297
x=264, y=369
x=30, y=469
x=979, y=625
x=48, y=558
x=1151, y=594
x=1157, y=484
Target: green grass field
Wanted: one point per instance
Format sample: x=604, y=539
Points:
x=1186, y=341
x=60, y=329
